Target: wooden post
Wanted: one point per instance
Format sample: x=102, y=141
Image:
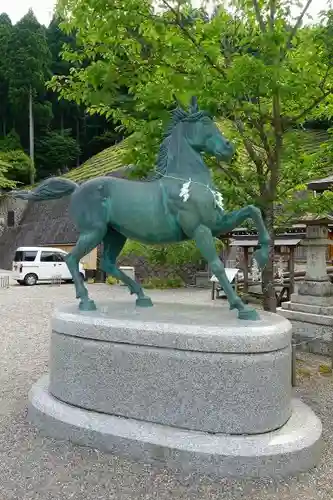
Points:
x=291, y=269
x=213, y=290
x=246, y=269
x=293, y=364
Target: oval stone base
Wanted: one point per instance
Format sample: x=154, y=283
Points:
x=293, y=448
x=187, y=366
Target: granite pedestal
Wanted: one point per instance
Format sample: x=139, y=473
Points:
x=193, y=387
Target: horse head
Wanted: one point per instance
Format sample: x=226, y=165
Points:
x=204, y=136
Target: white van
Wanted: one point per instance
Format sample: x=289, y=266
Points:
x=33, y=264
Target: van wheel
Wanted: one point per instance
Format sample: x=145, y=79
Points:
x=30, y=279
x=83, y=277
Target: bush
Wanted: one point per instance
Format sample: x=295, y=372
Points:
x=19, y=165
x=176, y=255
x=150, y=283
x=110, y=280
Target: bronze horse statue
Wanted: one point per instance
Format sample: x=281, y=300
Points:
x=179, y=203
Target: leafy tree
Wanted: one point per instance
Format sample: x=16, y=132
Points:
x=5, y=168
x=14, y=159
x=10, y=142
x=25, y=60
x=19, y=166
x=5, y=32
x=29, y=60
x=250, y=63
x=56, y=148
x=56, y=39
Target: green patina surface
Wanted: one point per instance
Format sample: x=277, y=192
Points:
x=179, y=203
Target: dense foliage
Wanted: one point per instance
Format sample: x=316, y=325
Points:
x=63, y=134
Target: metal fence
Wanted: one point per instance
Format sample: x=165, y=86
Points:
x=56, y=280
x=4, y=281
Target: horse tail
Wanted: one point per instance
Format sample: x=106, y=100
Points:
x=51, y=189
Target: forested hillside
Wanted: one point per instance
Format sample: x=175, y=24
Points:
x=41, y=135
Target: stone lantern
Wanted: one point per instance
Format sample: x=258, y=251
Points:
x=310, y=309
x=317, y=285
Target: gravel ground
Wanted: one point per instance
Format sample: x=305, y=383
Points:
x=33, y=467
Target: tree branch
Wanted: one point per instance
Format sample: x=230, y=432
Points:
x=253, y=155
x=236, y=178
x=296, y=26
x=180, y=22
x=310, y=108
x=259, y=124
x=259, y=16
x=272, y=11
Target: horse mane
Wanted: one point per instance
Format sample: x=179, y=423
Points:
x=178, y=115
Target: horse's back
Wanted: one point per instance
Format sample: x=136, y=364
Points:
x=136, y=209
x=139, y=211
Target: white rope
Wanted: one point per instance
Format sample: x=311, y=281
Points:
x=185, y=190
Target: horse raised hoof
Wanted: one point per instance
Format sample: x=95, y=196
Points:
x=248, y=313
x=87, y=305
x=144, y=302
x=261, y=255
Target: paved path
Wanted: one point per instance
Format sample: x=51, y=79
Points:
x=37, y=468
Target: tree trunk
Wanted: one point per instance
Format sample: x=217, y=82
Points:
x=269, y=299
x=62, y=123
x=78, y=140
x=31, y=139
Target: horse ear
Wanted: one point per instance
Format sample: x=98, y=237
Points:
x=194, y=108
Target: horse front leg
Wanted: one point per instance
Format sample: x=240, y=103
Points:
x=231, y=220
x=85, y=244
x=205, y=243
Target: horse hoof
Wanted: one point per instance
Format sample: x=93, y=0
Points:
x=261, y=255
x=87, y=305
x=144, y=302
x=248, y=314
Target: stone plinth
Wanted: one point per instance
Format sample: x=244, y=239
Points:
x=177, y=383
x=312, y=321
x=174, y=366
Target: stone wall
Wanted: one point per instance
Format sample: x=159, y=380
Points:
x=8, y=204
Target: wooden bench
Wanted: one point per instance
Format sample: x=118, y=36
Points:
x=282, y=295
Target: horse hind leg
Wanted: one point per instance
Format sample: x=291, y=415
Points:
x=113, y=243
x=85, y=244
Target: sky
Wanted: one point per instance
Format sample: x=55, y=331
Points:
x=43, y=9
x=16, y=9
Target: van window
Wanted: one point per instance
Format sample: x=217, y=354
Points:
x=51, y=257
x=48, y=257
x=26, y=256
